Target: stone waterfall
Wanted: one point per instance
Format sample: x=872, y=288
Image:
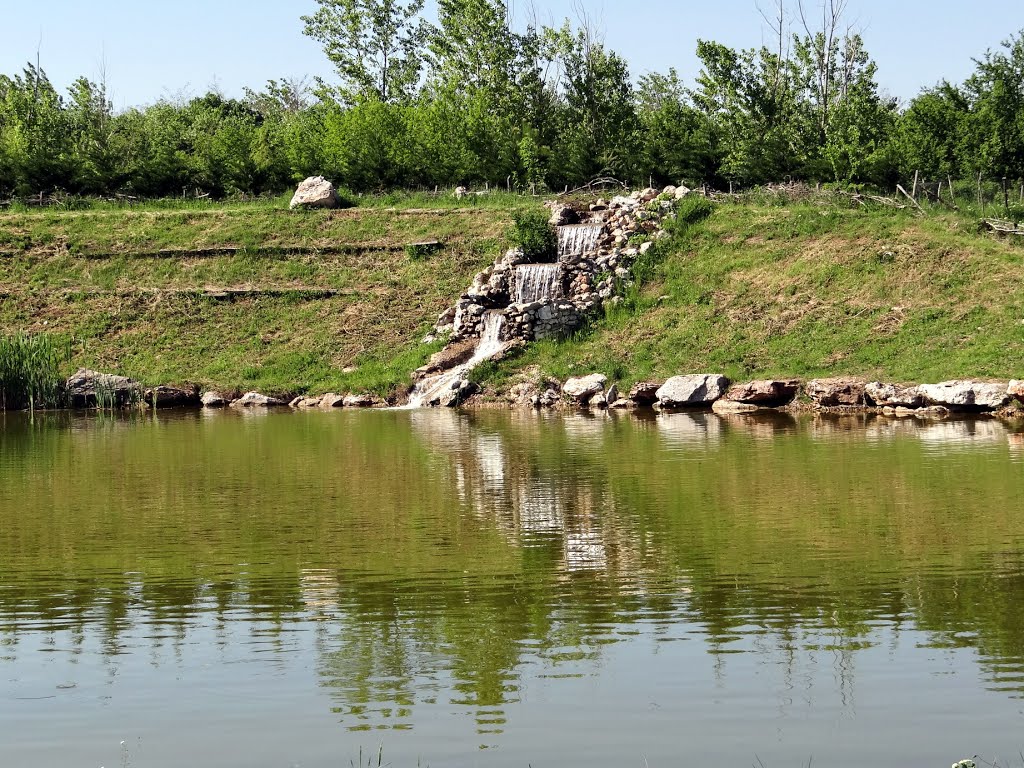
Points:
x=443, y=388
x=537, y=282
x=579, y=239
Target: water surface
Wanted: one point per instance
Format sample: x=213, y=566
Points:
x=509, y=589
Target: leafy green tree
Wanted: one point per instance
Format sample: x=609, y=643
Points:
x=993, y=141
x=375, y=45
x=598, y=123
x=34, y=130
x=930, y=131
x=670, y=129
x=749, y=103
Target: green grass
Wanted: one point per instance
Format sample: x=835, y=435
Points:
x=246, y=295
x=808, y=289
x=252, y=296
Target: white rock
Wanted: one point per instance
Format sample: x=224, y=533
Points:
x=696, y=390
x=315, y=192
x=966, y=394
x=582, y=389
x=256, y=400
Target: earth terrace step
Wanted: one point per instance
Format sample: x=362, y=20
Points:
x=219, y=294
x=230, y=250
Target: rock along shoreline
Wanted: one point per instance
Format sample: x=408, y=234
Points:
x=88, y=389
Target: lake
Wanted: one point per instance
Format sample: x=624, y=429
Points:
x=495, y=589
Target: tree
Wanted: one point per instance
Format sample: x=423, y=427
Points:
x=930, y=131
x=376, y=46
x=994, y=138
x=598, y=123
x=671, y=129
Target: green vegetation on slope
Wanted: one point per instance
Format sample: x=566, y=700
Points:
x=255, y=297
x=809, y=289
x=247, y=297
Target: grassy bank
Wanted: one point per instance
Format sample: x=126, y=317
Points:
x=247, y=295
x=252, y=296
x=815, y=288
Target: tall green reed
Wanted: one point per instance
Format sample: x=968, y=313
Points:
x=30, y=371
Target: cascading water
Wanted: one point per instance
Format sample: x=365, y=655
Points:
x=536, y=282
x=440, y=388
x=578, y=239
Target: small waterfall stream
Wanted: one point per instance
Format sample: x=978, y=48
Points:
x=536, y=282
x=578, y=239
x=434, y=388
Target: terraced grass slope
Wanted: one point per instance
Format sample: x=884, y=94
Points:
x=248, y=297
x=809, y=290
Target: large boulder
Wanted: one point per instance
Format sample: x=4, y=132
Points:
x=167, y=396
x=894, y=395
x=257, y=400
x=838, y=392
x=359, y=401
x=645, y=393
x=580, y=391
x=216, y=399
x=1016, y=390
x=332, y=400
x=769, y=393
x=315, y=192
x=974, y=395
x=563, y=215
x=693, y=391
x=88, y=388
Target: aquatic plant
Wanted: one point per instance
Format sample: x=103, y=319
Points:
x=30, y=371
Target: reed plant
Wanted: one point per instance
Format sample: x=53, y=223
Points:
x=31, y=371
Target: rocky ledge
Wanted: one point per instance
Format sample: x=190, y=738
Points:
x=716, y=392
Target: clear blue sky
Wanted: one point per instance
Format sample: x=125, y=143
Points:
x=157, y=49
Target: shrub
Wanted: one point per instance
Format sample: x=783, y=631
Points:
x=693, y=209
x=532, y=233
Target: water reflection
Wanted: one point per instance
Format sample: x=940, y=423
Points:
x=435, y=565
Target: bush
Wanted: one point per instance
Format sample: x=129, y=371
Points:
x=693, y=209
x=532, y=233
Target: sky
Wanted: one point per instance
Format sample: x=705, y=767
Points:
x=153, y=50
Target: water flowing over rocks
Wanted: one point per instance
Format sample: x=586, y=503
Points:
x=537, y=301
x=86, y=388
x=315, y=192
x=836, y=392
x=692, y=391
x=967, y=395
